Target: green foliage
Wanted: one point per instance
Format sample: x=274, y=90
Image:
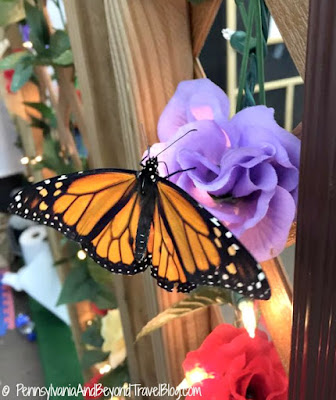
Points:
x=51, y=156
x=47, y=113
x=253, y=50
x=238, y=40
x=58, y=53
x=23, y=71
x=91, y=357
x=39, y=123
x=79, y=286
x=39, y=33
x=12, y=60
x=59, y=42
x=99, y=274
x=52, y=49
x=200, y=298
x=65, y=59
x=92, y=336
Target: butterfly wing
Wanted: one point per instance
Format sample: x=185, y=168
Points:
x=99, y=209
x=191, y=247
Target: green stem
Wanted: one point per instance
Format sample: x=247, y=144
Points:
x=244, y=65
x=260, y=54
x=242, y=11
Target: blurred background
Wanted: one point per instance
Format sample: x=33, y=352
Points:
x=55, y=307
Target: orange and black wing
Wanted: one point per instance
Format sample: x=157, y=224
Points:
x=191, y=247
x=99, y=209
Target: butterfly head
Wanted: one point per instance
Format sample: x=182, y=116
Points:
x=150, y=169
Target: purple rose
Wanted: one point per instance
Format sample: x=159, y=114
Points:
x=246, y=168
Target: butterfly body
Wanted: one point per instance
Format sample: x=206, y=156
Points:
x=147, y=189
x=128, y=221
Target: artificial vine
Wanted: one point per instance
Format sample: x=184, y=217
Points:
x=252, y=44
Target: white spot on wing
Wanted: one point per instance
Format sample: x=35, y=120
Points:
x=261, y=276
x=215, y=221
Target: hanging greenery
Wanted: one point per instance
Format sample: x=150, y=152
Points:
x=252, y=44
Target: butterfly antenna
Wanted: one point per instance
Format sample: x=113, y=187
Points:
x=181, y=137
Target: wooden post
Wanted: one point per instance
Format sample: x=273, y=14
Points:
x=313, y=367
x=130, y=55
x=291, y=17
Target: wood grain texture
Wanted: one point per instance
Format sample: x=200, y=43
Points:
x=112, y=142
x=277, y=311
x=291, y=17
x=313, y=367
x=202, y=18
x=142, y=50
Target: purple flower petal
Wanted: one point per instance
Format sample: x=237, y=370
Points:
x=261, y=177
x=251, y=210
x=244, y=170
x=193, y=100
x=268, y=238
x=256, y=125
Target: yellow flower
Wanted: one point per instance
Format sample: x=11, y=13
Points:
x=112, y=333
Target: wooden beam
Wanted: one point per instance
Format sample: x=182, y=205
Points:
x=313, y=367
x=291, y=17
x=277, y=311
x=142, y=50
x=202, y=18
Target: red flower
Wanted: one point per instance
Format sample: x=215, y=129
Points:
x=8, y=75
x=237, y=367
x=93, y=389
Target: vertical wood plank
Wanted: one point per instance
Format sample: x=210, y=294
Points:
x=142, y=50
x=202, y=18
x=106, y=121
x=277, y=311
x=291, y=17
x=313, y=366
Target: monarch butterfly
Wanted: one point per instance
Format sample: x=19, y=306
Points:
x=129, y=220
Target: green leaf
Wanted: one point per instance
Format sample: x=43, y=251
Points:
x=91, y=357
x=11, y=11
x=39, y=33
x=238, y=40
x=59, y=43
x=12, y=60
x=202, y=297
x=99, y=274
x=92, y=336
x=52, y=158
x=116, y=377
x=64, y=59
x=39, y=123
x=23, y=72
x=78, y=286
x=45, y=111
x=103, y=298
